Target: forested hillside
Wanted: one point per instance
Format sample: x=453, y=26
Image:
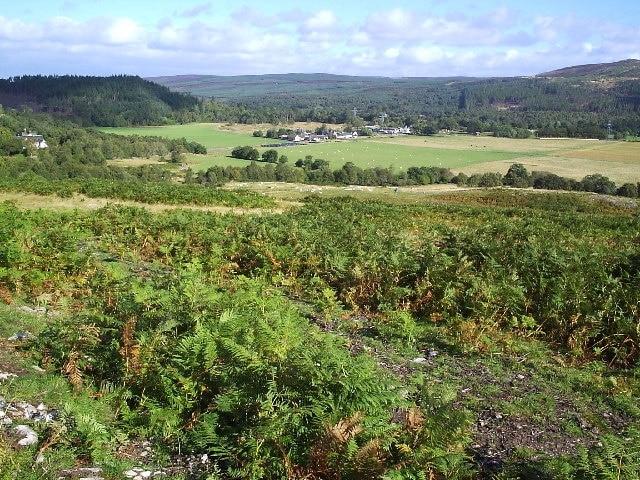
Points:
x=575, y=102
x=102, y=101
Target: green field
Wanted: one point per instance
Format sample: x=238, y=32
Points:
x=211, y=135
x=571, y=158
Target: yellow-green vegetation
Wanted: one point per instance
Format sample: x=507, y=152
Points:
x=570, y=158
x=475, y=334
x=211, y=135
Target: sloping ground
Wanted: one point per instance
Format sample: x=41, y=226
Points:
x=623, y=69
x=524, y=402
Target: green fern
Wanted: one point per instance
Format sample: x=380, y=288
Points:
x=618, y=458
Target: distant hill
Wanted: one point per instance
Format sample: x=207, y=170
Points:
x=572, y=101
x=623, y=69
x=102, y=101
x=246, y=86
x=241, y=87
x=579, y=101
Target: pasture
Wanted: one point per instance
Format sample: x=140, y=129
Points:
x=571, y=158
x=211, y=135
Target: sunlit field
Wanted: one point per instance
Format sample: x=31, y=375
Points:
x=571, y=158
x=211, y=135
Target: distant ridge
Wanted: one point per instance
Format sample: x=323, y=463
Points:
x=243, y=86
x=629, y=68
x=239, y=87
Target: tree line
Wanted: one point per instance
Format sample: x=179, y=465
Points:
x=74, y=151
x=273, y=168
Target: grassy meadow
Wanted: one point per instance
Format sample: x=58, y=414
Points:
x=571, y=158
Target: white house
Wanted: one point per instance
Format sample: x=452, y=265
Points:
x=37, y=140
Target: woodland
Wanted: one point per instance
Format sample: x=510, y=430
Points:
x=483, y=333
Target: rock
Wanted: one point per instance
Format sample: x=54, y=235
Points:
x=29, y=436
x=419, y=360
x=28, y=410
x=83, y=473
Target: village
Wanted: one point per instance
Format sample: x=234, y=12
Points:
x=301, y=136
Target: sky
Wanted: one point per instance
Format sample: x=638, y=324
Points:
x=413, y=38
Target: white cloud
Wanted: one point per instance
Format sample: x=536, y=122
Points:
x=254, y=17
x=396, y=41
x=322, y=20
x=15, y=30
x=392, y=53
x=395, y=24
x=427, y=54
x=359, y=39
x=122, y=31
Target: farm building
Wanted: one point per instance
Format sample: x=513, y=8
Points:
x=37, y=140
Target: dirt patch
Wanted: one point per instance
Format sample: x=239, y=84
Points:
x=12, y=360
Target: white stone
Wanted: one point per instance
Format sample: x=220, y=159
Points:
x=29, y=436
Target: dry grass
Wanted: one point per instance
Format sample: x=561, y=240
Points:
x=249, y=129
x=137, y=162
x=564, y=167
x=480, y=143
x=623, y=152
x=81, y=202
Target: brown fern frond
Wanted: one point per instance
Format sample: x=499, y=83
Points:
x=53, y=436
x=369, y=457
x=72, y=370
x=91, y=333
x=412, y=419
x=5, y=295
x=332, y=441
x=130, y=350
x=345, y=429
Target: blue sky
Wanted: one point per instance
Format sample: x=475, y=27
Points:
x=374, y=37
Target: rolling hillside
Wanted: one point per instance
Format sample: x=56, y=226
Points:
x=104, y=101
x=578, y=96
x=243, y=86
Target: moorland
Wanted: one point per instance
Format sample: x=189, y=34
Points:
x=178, y=301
